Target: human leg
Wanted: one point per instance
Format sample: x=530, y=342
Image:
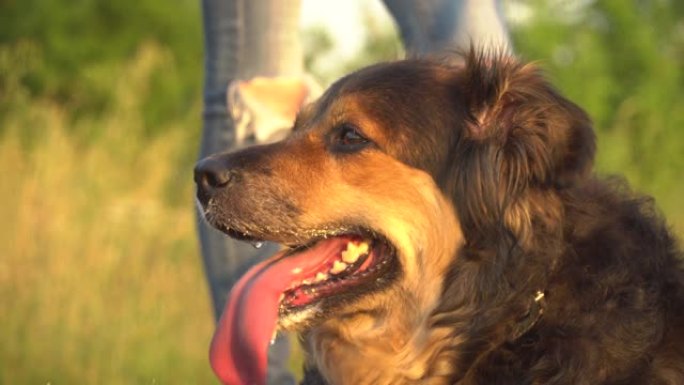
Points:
x=434, y=25
x=242, y=39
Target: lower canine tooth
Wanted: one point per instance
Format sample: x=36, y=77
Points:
x=338, y=267
x=321, y=277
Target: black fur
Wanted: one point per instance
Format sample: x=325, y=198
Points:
x=515, y=157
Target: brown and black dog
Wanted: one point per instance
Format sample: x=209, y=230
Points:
x=443, y=226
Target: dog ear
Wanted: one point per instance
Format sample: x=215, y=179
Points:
x=513, y=104
x=520, y=138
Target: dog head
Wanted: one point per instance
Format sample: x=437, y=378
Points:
x=383, y=183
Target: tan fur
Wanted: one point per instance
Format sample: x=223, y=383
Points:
x=410, y=205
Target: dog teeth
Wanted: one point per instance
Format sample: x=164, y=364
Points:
x=306, y=282
x=338, y=267
x=321, y=277
x=354, y=251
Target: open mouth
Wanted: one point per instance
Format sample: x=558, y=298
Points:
x=286, y=289
x=352, y=262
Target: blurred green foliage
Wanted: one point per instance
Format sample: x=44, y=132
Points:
x=75, y=46
x=622, y=61
x=100, y=281
x=381, y=44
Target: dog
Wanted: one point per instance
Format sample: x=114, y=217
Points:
x=442, y=225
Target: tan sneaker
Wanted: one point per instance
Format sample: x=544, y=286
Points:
x=264, y=108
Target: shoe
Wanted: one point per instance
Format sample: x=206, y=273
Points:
x=263, y=109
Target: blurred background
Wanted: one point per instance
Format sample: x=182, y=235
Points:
x=100, y=103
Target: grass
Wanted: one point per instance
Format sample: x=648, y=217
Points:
x=100, y=279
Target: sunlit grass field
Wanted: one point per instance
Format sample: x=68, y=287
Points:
x=100, y=278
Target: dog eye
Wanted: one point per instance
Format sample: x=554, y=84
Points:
x=349, y=136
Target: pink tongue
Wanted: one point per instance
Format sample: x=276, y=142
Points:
x=239, y=348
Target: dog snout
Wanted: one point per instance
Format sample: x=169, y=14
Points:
x=212, y=175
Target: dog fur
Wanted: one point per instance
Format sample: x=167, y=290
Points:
x=516, y=264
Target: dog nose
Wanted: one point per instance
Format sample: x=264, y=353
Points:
x=211, y=174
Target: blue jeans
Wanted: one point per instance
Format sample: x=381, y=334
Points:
x=225, y=260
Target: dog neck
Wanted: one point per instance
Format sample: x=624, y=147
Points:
x=373, y=348
x=403, y=345
x=395, y=345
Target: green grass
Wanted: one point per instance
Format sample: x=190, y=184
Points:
x=100, y=279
